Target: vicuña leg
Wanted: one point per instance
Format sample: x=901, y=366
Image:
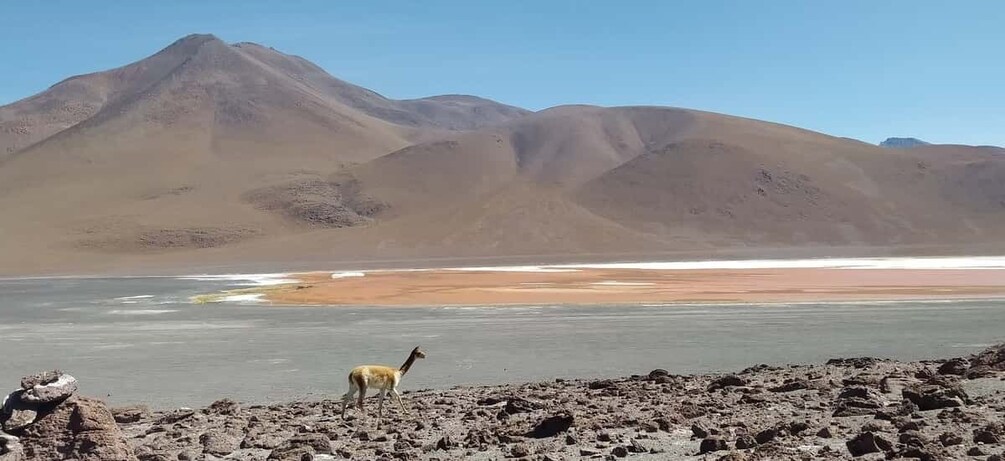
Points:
x=348, y=397
x=397, y=396
x=380, y=407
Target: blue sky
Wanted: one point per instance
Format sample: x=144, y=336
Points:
x=866, y=69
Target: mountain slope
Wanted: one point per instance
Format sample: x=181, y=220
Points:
x=219, y=155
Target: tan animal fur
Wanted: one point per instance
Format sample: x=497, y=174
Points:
x=381, y=377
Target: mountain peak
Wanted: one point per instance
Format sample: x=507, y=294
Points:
x=196, y=39
x=898, y=143
x=191, y=44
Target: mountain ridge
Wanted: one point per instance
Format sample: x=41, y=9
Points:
x=209, y=153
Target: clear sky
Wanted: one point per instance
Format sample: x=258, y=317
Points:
x=866, y=69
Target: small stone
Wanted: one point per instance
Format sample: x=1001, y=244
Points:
x=552, y=426
x=866, y=443
x=790, y=386
x=948, y=439
x=744, y=442
x=619, y=451
x=219, y=443
x=766, y=436
x=825, y=433
x=518, y=405
x=130, y=414
x=711, y=444
x=698, y=430
x=224, y=407
x=658, y=373
x=520, y=450
x=727, y=381
x=975, y=451
x=986, y=436
x=445, y=443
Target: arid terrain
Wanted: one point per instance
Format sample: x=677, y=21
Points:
x=618, y=286
x=208, y=154
x=852, y=408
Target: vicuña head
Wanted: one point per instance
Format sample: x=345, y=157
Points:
x=381, y=377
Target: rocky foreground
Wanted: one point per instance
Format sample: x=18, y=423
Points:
x=861, y=408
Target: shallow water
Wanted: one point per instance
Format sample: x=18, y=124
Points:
x=140, y=340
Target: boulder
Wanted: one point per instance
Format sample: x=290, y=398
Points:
x=935, y=396
x=552, y=426
x=48, y=387
x=766, y=435
x=948, y=439
x=866, y=443
x=10, y=448
x=857, y=401
x=224, y=407
x=79, y=428
x=991, y=358
x=745, y=441
x=658, y=373
x=957, y=367
x=790, y=386
x=16, y=414
x=723, y=382
x=711, y=444
x=986, y=436
x=130, y=414
x=516, y=405
x=219, y=443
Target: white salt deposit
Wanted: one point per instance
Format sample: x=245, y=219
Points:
x=245, y=279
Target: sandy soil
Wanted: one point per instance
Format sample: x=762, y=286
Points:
x=597, y=286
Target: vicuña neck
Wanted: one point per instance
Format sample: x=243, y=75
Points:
x=408, y=363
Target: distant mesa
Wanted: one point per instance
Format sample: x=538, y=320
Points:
x=902, y=143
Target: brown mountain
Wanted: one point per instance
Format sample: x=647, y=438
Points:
x=208, y=154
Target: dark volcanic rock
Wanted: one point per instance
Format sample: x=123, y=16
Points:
x=224, y=407
x=855, y=362
x=793, y=385
x=727, y=381
x=699, y=430
x=992, y=358
x=658, y=373
x=48, y=387
x=711, y=444
x=638, y=416
x=516, y=405
x=857, y=401
x=957, y=366
x=219, y=443
x=766, y=436
x=602, y=384
x=10, y=448
x=866, y=443
x=552, y=426
x=948, y=439
x=17, y=414
x=130, y=414
x=936, y=396
x=745, y=441
x=79, y=428
x=986, y=436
